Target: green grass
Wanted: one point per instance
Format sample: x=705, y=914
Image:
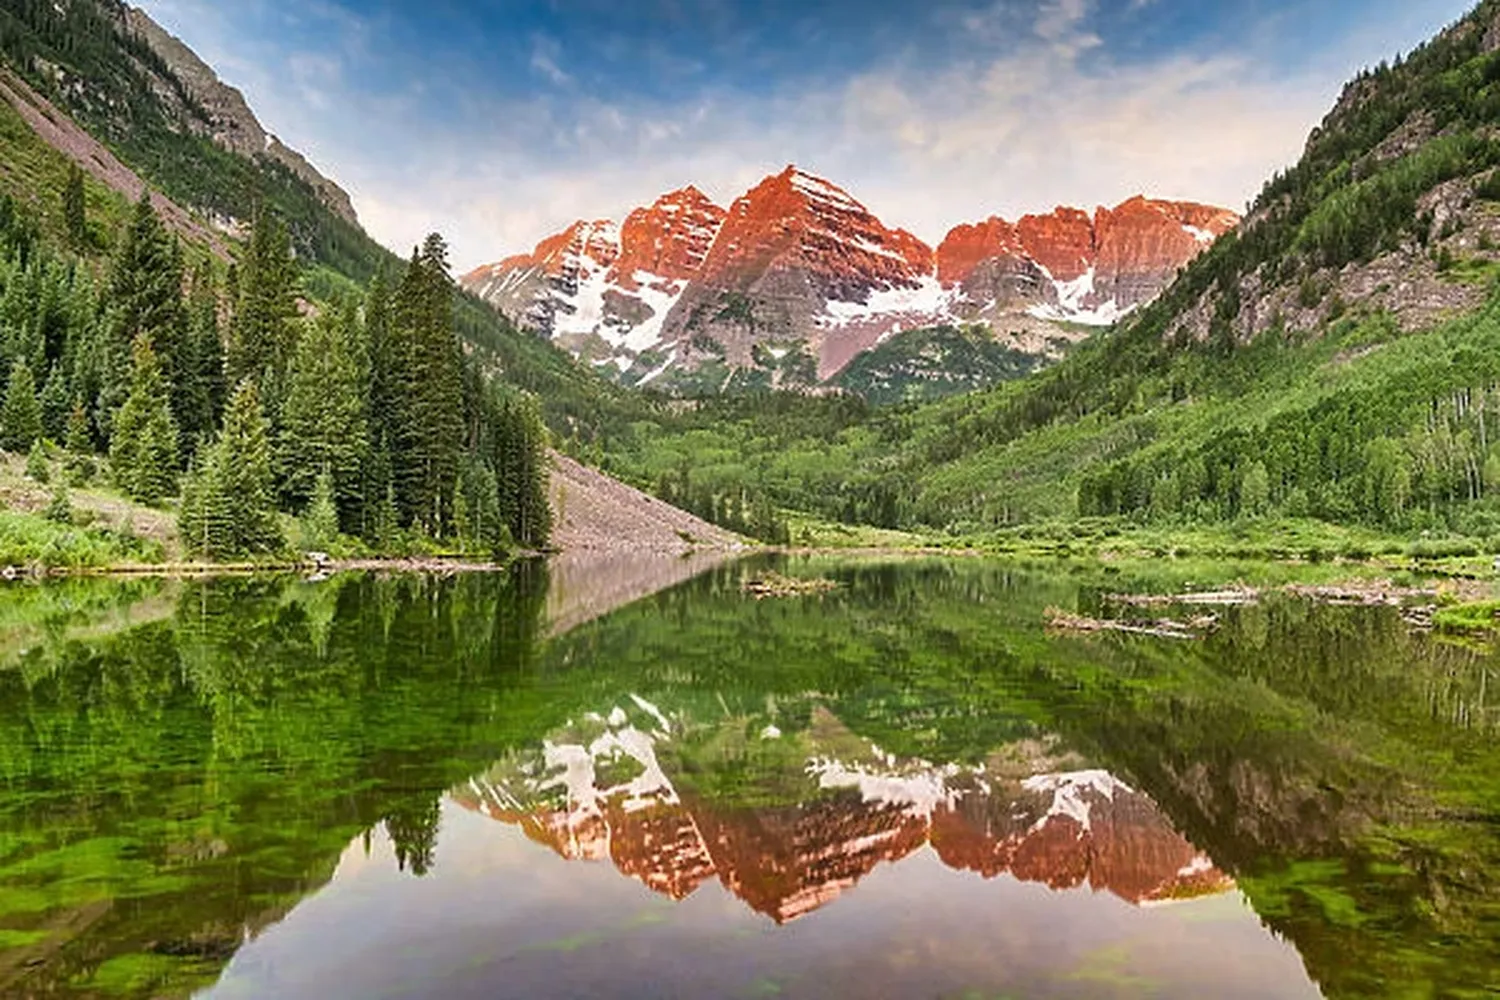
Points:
x=1478, y=616
x=35, y=174
x=28, y=540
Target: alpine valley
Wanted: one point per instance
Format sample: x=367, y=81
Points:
x=797, y=279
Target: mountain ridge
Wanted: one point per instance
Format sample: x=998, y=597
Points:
x=798, y=267
x=233, y=123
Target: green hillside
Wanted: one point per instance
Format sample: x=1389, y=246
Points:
x=1283, y=375
x=80, y=57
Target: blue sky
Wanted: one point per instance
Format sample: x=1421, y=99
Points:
x=500, y=121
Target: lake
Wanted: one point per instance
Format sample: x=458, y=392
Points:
x=643, y=782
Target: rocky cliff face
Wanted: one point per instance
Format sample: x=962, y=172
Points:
x=232, y=124
x=604, y=290
x=1069, y=266
x=797, y=267
x=606, y=793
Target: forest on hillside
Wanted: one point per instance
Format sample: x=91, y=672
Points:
x=174, y=375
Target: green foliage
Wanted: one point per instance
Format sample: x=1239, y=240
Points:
x=229, y=500
x=37, y=468
x=145, y=301
x=27, y=540
x=75, y=209
x=324, y=426
x=79, y=446
x=519, y=456
x=427, y=398
x=59, y=506
x=143, y=445
x=320, y=522
x=21, y=414
x=920, y=365
x=262, y=336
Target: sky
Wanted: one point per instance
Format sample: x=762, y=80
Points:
x=499, y=122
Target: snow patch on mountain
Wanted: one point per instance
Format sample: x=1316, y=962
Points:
x=923, y=304
x=1072, y=794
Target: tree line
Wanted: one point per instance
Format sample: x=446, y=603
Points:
x=223, y=385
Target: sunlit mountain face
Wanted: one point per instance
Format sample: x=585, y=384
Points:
x=619, y=788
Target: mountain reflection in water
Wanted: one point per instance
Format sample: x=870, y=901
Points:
x=610, y=796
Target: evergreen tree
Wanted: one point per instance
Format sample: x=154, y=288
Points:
x=36, y=463
x=324, y=428
x=427, y=385
x=54, y=403
x=60, y=506
x=21, y=416
x=145, y=295
x=229, y=505
x=143, y=446
x=75, y=208
x=320, y=524
x=203, y=387
x=522, y=470
x=264, y=330
x=79, y=446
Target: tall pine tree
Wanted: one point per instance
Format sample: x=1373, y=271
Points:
x=229, y=500
x=427, y=392
x=143, y=446
x=203, y=380
x=324, y=426
x=145, y=296
x=263, y=332
x=21, y=416
x=522, y=468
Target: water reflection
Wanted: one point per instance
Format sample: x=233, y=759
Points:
x=606, y=790
x=394, y=787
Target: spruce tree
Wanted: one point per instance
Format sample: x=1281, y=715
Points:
x=79, y=446
x=143, y=445
x=264, y=330
x=37, y=467
x=203, y=390
x=324, y=428
x=427, y=387
x=145, y=295
x=320, y=524
x=21, y=416
x=241, y=470
x=54, y=403
x=75, y=208
x=60, y=505
x=522, y=468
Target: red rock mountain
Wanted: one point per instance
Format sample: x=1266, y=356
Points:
x=1063, y=829
x=797, y=267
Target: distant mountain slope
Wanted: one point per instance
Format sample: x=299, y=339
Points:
x=109, y=89
x=592, y=512
x=1332, y=358
x=797, y=278
x=64, y=135
x=230, y=121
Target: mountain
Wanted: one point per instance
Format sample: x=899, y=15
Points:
x=797, y=278
x=616, y=788
x=1330, y=359
x=229, y=120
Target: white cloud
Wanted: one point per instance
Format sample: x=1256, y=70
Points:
x=545, y=53
x=1048, y=116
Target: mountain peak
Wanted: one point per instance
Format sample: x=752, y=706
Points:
x=798, y=260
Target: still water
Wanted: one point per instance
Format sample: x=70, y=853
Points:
x=572, y=786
